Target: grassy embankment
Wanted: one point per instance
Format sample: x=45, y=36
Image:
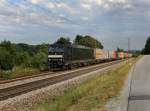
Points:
x=91, y=95
x=18, y=72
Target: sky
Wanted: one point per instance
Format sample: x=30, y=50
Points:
x=112, y=22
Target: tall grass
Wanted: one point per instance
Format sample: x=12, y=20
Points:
x=92, y=94
x=18, y=72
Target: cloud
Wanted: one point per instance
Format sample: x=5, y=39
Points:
x=51, y=5
x=66, y=8
x=98, y=2
x=85, y=18
x=86, y=6
x=118, y=1
x=111, y=21
x=34, y=1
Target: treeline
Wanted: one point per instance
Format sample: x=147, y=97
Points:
x=35, y=56
x=146, y=49
x=87, y=40
x=22, y=55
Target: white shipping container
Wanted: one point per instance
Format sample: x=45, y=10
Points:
x=99, y=54
x=111, y=54
x=106, y=54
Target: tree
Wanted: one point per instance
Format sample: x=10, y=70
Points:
x=6, y=60
x=147, y=46
x=24, y=55
x=24, y=59
x=120, y=50
x=78, y=39
x=6, y=44
x=64, y=41
x=31, y=49
x=39, y=61
x=88, y=41
x=42, y=48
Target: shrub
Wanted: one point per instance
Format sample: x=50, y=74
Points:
x=6, y=60
x=39, y=61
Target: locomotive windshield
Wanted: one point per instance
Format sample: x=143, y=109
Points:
x=56, y=50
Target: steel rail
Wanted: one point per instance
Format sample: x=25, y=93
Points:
x=27, y=87
x=43, y=74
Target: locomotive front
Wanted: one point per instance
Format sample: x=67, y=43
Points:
x=56, y=56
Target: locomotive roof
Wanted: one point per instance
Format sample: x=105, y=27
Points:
x=71, y=45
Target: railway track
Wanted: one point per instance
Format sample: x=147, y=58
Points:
x=16, y=90
x=25, y=77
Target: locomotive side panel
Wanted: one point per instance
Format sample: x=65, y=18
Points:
x=82, y=54
x=77, y=55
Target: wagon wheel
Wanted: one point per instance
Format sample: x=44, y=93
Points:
x=70, y=66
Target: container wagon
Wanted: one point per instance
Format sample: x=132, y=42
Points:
x=113, y=55
x=126, y=55
x=121, y=55
x=116, y=55
x=101, y=55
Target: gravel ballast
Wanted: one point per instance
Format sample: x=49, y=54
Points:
x=24, y=81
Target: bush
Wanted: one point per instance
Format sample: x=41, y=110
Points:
x=6, y=60
x=39, y=61
x=24, y=59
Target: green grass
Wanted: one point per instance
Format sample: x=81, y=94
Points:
x=91, y=95
x=18, y=72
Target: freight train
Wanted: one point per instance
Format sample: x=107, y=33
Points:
x=70, y=56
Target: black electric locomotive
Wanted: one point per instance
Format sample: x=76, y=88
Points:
x=68, y=56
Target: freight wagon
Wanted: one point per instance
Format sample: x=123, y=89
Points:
x=114, y=55
x=126, y=55
x=121, y=55
x=101, y=55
